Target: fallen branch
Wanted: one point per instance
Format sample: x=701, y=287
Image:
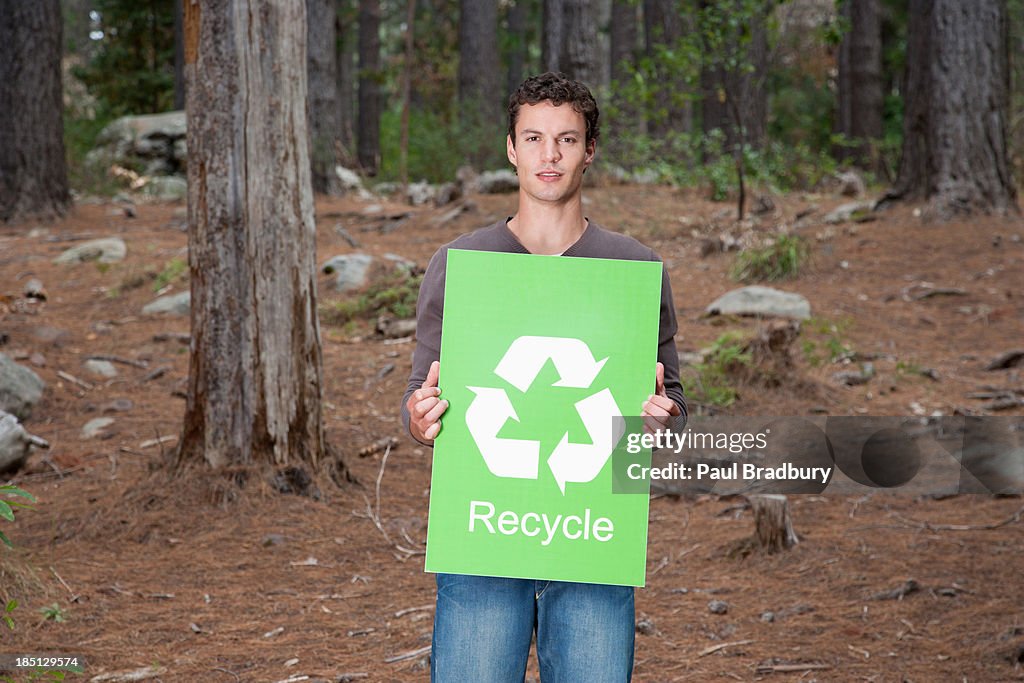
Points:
x=788, y=668
x=118, y=359
x=74, y=380
x=410, y=610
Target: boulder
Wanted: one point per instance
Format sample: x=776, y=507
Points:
x=420, y=193
x=174, y=304
x=106, y=250
x=20, y=388
x=761, y=301
x=15, y=443
x=849, y=211
x=497, y=182
x=851, y=184
x=154, y=142
x=168, y=187
x=351, y=271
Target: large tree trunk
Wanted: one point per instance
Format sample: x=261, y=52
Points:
x=956, y=99
x=323, y=93
x=347, y=75
x=478, y=62
x=33, y=172
x=860, y=99
x=369, y=85
x=255, y=370
x=663, y=29
x=622, y=51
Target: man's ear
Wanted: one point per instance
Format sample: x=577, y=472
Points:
x=510, y=150
x=591, y=152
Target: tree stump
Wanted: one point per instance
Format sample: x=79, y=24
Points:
x=773, y=525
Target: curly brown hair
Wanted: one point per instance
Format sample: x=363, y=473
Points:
x=557, y=88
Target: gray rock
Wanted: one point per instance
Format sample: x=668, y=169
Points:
x=646, y=176
x=401, y=262
x=106, y=250
x=95, y=427
x=175, y=304
x=718, y=607
x=352, y=270
x=169, y=187
x=15, y=443
x=135, y=141
x=761, y=301
x=348, y=178
x=768, y=617
x=497, y=182
x=20, y=388
x=846, y=212
x=101, y=368
x=420, y=193
x=851, y=184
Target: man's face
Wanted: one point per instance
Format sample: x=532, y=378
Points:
x=550, y=151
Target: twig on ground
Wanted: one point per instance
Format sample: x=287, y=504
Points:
x=74, y=595
x=721, y=646
x=410, y=610
x=408, y=655
x=787, y=668
x=74, y=380
x=1015, y=517
x=227, y=671
x=118, y=359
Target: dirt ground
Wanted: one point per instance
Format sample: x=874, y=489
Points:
x=147, y=570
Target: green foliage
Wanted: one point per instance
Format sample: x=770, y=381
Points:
x=439, y=145
x=80, y=132
x=8, y=506
x=824, y=340
x=780, y=259
x=712, y=383
x=395, y=294
x=8, y=608
x=174, y=269
x=52, y=612
x=132, y=67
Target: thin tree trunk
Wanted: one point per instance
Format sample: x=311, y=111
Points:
x=622, y=51
x=255, y=370
x=478, y=61
x=957, y=94
x=860, y=97
x=33, y=172
x=347, y=41
x=369, y=86
x=323, y=94
x=403, y=145
x=179, y=56
x=581, y=45
x=518, y=18
x=553, y=33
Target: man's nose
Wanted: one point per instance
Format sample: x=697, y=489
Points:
x=552, y=151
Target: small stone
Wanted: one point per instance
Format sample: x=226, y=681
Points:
x=38, y=360
x=718, y=607
x=174, y=304
x=101, y=368
x=118, y=405
x=109, y=250
x=768, y=617
x=95, y=427
x=272, y=540
x=645, y=627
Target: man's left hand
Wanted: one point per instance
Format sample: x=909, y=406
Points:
x=659, y=409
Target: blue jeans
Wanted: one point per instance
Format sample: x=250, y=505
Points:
x=483, y=627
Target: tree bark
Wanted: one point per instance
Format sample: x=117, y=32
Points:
x=322, y=94
x=478, y=62
x=622, y=55
x=955, y=112
x=179, y=56
x=255, y=370
x=860, y=96
x=369, y=86
x=33, y=171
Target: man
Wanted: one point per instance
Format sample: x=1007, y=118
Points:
x=483, y=625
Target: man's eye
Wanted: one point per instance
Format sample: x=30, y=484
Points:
x=531, y=138
x=569, y=140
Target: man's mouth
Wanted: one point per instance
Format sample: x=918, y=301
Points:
x=549, y=175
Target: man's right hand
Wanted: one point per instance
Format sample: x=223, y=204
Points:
x=425, y=408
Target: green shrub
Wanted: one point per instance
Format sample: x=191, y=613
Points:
x=781, y=259
x=395, y=294
x=713, y=382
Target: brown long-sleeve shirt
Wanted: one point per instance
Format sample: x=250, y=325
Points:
x=596, y=242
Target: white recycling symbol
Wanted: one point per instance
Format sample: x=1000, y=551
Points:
x=520, y=458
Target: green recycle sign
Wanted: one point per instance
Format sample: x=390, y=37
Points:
x=491, y=408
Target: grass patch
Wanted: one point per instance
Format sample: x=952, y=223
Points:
x=713, y=382
x=781, y=259
x=172, y=271
x=824, y=341
x=394, y=294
